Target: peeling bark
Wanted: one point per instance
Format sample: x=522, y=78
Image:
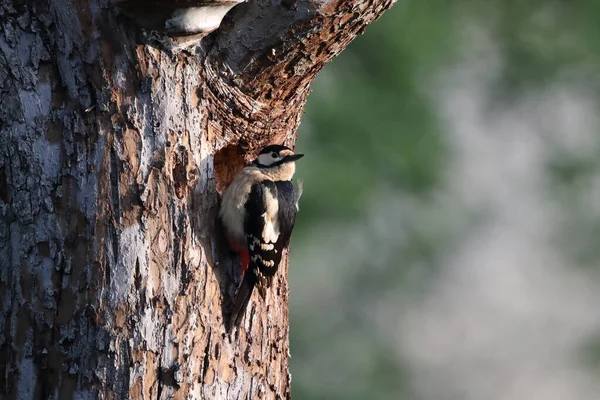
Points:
x=112, y=153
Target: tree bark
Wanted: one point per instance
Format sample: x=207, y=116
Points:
x=113, y=151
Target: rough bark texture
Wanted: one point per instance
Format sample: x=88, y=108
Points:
x=112, y=154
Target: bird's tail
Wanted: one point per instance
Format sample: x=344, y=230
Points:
x=241, y=299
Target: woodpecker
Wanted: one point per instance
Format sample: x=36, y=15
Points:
x=258, y=211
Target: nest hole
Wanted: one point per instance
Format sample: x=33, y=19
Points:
x=227, y=163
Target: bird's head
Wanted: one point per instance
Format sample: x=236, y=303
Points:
x=277, y=161
x=275, y=155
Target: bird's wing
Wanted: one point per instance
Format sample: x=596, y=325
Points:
x=270, y=214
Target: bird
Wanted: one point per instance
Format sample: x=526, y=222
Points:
x=258, y=211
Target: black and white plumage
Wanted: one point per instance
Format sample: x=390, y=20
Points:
x=268, y=231
x=258, y=212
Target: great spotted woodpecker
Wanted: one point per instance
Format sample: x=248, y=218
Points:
x=258, y=211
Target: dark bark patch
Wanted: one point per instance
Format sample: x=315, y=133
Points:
x=180, y=161
x=67, y=306
x=169, y=376
x=206, y=361
x=54, y=131
x=5, y=190
x=43, y=249
x=68, y=384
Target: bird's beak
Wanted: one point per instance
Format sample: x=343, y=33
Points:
x=293, y=157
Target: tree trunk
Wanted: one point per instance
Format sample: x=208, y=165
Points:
x=113, y=152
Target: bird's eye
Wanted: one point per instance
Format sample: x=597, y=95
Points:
x=274, y=155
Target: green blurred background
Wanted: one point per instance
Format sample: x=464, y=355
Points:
x=447, y=243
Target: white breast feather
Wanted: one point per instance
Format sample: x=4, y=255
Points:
x=234, y=199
